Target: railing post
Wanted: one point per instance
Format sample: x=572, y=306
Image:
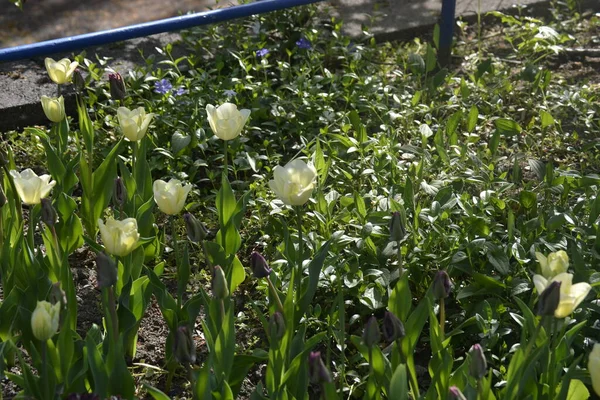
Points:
x=446, y=31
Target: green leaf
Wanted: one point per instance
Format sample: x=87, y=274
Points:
x=400, y=300
x=155, y=393
x=430, y=59
x=538, y=167
x=507, y=126
x=546, y=119
x=98, y=368
x=179, y=142
x=472, y=118
x=359, y=128
x=238, y=274
x=399, y=384
x=314, y=271
x=498, y=258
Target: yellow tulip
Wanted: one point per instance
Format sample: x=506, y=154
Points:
x=54, y=108
x=30, y=187
x=554, y=264
x=60, y=72
x=570, y=295
x=134, y=123
x=594, y=367
x=170, y=196
x=44, y=320
x=294, y=183
x=119, y=237
x=226, y=121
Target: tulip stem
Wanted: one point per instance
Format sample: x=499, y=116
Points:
x=442, y=317
x=45, y=368
x=299, y=255
x=180, y=287
x=133, y=160
x=205, y=250
x=534, y=337
x=225, y=161
x=400, y=269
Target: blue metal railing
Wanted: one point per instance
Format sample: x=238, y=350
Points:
x=73, y=43
x=69, y=44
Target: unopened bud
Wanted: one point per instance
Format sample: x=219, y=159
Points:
x=49, y=216
x=277, y=325
x=78, y=81
x=371, y=334
x=549, y=299
x=478, y=365
x=119, y=192
x=117, y=86
x=441, y=285
x=57, y=295
x=184, y=347
x=260, y=268
x=392, y=327
x=397, y=230
x=456, y=394
x=196, y=231
x=2, y=197
x=220, y=289
x=106, y=270
x=317, y=371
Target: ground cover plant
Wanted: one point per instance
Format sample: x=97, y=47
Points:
x=271, y=210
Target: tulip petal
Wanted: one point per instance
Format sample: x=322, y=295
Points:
x=540, y=283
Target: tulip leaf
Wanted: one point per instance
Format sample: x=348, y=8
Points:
x=238, y=274
x=400, y=300
x=399, y=384
x=241, y=365
x=97, y=367
x=155, y=393
x=472, y=118
x=314, y=272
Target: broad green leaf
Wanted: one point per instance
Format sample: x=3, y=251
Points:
x=399, y=384
x=546, y=119
x=472, y=118
x=507, y=126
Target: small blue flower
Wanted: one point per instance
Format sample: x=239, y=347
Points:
x=304, y=43
x=262, y=52
x=163, y=86
x=229, y=93
x=180, y=91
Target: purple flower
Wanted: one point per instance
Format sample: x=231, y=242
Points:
x=262, y=52
x=162, y=87
x=304, y=43
x=180, y=91
x=229, y=93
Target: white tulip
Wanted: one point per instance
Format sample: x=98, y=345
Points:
x=294, y=183
x=226, y=121
x=134, y=123
x=570, y=295
x=30, y=187
x=170, y=196
x=60, y=72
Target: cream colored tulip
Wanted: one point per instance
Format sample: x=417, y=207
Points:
x=54, y=108
x=134, y=123
x=594, y=367
x=226, y=121
x=61, y=72
x=30, y=187
x=294, y=183
x=170, y=196
x=554, y=264
x=44, y=320
x=119, y=237
x=571, y=295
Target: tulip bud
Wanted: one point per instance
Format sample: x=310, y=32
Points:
x=371, y=334
x=317, y=371
x=277, y=325
x=78, y=81
x=184, y=347
x=54, y=108
x=117, y=86
x=119, y=192
x=220, y=288
x=196, y=231
x=392, y=327
x=594, y=367
x=478, y=365
x=549, y=299
x=441, y=285
x=106, y=270
x=397, y=230
x=57, y=295
x=456, y=394
x=49, y=216
x=2, y=197
x=44, y=320
x=260, y=268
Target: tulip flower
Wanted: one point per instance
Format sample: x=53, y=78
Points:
x=441, y=286
x=226, y=121
x=134, y=123
x=44, y=320
x=478, y=364
x=594, y=367
x=260, y=267
x=61, y=71
x=54, y=108
x=570, y=295
x=119, y=237
x=195, y=229
x=317, y=371
x=294, y=183
x=170, y=196
x=116, y=86
x=220, y=289
x=371, y=334
x=30, y=187
x=393, y=328
x=554, y=264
